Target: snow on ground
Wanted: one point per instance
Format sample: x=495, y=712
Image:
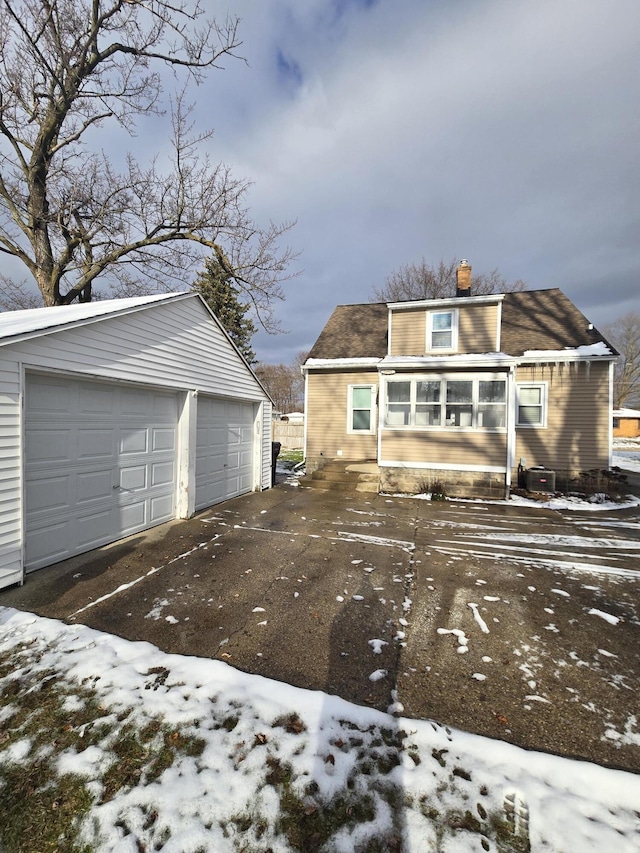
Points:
x=426, y=786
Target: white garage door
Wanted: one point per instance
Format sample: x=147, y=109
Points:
x=100, y=464
x=224, y=450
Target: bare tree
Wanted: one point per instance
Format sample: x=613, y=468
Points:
x=624, y=334
x=68, y=212
x=284, y=383
x=424, y=281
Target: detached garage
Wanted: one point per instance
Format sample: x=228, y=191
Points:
x=117, y=416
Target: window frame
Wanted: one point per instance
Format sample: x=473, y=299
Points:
x=422, y=407
x=544, y=407
x=351, y=430
x=454, y=330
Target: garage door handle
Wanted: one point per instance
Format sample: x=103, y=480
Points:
x=116, y=487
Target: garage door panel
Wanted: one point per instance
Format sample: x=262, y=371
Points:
x=92, y=528
x=48, y=543
x=133, y=440
x=133, y=477
x=225, y=450
x=93, y=485
x=163, y=440
x=95, y=443
x=163, y=408
x=161, y=509
x=48, y=445
x=94, y=400
x=133, y=403
x=48, y=396
x=162, y=473
x=133, y=517
x=100, y=469
x=47, y=493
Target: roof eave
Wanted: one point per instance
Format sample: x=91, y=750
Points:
x=486, y=299
x=85, y=321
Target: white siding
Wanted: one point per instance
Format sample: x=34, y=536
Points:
x=174, y=345
x=10, y=481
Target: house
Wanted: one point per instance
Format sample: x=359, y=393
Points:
x=465, y=391
x=116, y=416
x=626, y=423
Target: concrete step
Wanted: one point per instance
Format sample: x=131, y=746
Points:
x=344, y=476
x=371, y=487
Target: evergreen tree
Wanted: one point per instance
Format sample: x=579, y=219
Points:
x=215, y=286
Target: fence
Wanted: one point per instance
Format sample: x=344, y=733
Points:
x=290, y=436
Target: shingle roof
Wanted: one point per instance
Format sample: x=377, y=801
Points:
x=354, y=331
x=544, y=320
x=531, y=320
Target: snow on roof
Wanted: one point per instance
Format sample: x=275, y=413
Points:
x=465, y=357
x=16, y=324
x=337, y=362
x=599, y=348
x=626, y=413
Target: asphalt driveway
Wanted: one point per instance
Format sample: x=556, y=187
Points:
x=514, y=622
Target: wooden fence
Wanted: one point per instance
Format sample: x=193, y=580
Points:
x=290, y=436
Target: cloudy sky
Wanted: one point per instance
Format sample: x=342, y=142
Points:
x=503, y=131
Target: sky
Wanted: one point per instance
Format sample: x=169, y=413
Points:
x=505, y=132
x=502, y=131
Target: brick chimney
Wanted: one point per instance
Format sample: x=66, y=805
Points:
x=463, y=279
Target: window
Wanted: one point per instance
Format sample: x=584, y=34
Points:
x=361, y=408
x=491, y=403
x=469, y=402
x=616, y=423
x=532, y=405
x=442, y=330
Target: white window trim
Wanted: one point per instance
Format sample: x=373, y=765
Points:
x=454, y=330
x=544, y=396
x=373, y=416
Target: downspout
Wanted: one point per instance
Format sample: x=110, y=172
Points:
x=306, y=402
x=511, y=427
x=611, y=378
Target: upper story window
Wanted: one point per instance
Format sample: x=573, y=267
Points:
x=442, y=330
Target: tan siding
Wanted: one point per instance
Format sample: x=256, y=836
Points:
x=326, y=414
x=578, y=420
x=446, y=448
x=408, y=332
x=477, y=330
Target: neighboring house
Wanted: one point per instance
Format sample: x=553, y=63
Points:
x=116, y=416
x=626, y=423
x=461, y=391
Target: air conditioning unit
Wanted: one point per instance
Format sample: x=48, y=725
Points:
x=541, y=480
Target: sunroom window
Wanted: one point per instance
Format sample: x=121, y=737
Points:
x=447, y=403
x=491, y=403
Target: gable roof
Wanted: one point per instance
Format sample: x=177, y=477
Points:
x=532, y=320
x=354, y=331
x=545, y=320
x=18, y=325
